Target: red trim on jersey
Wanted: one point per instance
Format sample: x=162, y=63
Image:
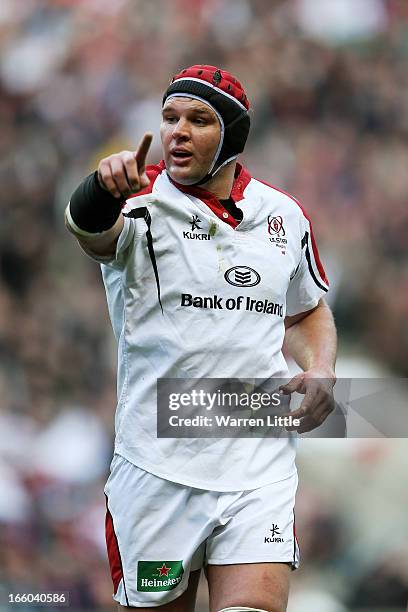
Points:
x=115, y=562
x=152, y=171
x=314, y=245
x=317, y=257
x=241, y=180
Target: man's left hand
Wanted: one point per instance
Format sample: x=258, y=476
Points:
x=317, y=387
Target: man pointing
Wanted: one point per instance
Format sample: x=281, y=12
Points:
x=175, y=506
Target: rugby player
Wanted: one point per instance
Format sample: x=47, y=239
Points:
x=208, y=272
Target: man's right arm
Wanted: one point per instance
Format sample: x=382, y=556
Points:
x=93, y=215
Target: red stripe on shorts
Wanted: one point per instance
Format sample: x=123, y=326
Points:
x=115, y=562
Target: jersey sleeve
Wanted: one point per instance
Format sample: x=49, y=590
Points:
x=125, y=239
x=308, y=282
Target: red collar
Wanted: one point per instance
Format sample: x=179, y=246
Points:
x=241, y=180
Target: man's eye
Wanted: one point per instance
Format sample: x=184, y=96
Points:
x=200, y=121
x=170, y=119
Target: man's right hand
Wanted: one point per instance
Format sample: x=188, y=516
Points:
x=123, y=174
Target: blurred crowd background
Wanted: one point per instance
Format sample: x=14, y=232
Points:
x=80, y=79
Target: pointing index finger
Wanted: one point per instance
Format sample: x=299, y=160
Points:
x=142, y=150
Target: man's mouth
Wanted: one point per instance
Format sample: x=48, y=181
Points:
x=181, y=156
x=181, y=153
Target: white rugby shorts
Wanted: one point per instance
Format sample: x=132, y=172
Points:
x=158, y=531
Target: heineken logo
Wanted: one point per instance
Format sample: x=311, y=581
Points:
x=154, y=576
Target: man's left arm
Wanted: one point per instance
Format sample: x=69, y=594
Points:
x=311, y=340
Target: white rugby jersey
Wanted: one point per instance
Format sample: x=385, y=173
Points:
x=181, y=263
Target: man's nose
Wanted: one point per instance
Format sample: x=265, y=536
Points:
x=181, y=129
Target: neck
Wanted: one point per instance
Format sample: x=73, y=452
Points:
x=221, y=184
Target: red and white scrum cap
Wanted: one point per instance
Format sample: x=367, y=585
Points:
x=225, y=95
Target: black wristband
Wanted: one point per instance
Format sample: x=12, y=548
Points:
x=92, y=208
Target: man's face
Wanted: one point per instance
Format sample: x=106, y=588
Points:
x=190, y=134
